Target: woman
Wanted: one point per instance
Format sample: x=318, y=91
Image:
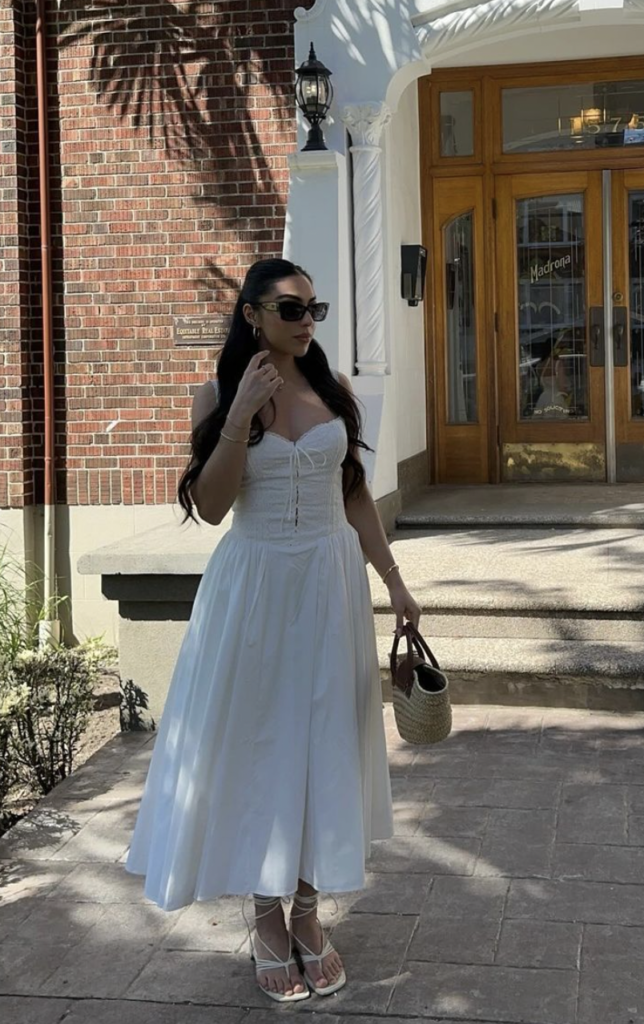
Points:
x=269, y=773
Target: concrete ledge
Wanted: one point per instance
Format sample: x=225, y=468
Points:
x=170, y=549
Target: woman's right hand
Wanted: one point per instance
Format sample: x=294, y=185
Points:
x=259, y=383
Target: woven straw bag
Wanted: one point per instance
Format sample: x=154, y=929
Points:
x=420, y=691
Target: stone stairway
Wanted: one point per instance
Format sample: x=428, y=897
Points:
x=530, y=595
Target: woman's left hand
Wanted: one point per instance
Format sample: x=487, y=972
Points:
x=403, y=605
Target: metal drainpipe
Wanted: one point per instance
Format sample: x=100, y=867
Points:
x=49, y=629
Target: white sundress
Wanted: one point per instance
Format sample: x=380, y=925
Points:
x=270, y=762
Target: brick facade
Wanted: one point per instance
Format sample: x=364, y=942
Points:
x=170, y=128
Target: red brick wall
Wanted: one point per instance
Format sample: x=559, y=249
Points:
x=170, y=130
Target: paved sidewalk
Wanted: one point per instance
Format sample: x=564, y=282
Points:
x=512, y=892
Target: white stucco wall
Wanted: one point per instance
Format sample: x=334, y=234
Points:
x=405, y=336
x=79, y=530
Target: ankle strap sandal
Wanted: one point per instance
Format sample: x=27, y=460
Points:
x=306, y=904
x=270, y=902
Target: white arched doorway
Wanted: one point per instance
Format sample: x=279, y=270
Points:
x=378, y=51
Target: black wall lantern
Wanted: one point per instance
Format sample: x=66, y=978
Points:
x=414, y=266
x=314, y=94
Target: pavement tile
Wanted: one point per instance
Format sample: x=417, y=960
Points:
x=26, y=1010
x=612, y=983
x=441, y=765
x=133, y=1011
x=515, y=721
x=215, y=925
x=588, y=902
x=549, y=768
x=383, y=938
x=592, y=814
x=40, y=942
x=452, y=821
x=423, y=855
x=599, y=863
x=495, y=793
x=25, y=964
x=488, y=993
x=386, y=894
x=112, y=953
x=175, y=976
x=21, y=877
x=43, y=832
x=13, y=913
x=455, y=940
x=104, y=838
x=539, y=944
x=635, y=798
x=518, y=843
x=636, y=830
x=67, y=923
x=98, y=883
x=466, y=897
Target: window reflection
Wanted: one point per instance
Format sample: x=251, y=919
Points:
x=460, y=321
x=577, y=116
x=457, y=123
x=553, y=379
x=636, y=268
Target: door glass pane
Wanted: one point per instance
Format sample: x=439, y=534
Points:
x=553, y=376
x=460, y=320
x=586, y=115
x=457, y=123
x=636, y=305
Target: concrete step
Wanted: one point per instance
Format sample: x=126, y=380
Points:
x=574, y=674
x=535, y=624
x=592, y=506
x=527, y=616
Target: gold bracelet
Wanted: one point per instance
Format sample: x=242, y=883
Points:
x=237, y=440
x=391, y=569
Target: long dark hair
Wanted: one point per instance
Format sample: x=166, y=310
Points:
x=239, y=348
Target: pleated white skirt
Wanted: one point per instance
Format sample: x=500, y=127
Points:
x=270, y=761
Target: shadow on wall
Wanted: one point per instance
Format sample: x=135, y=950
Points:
x=194, y=77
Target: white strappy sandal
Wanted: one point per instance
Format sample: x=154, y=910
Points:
x=306, y=905
x=270, y=902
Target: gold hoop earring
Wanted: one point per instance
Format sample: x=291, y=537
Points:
x=256, y=333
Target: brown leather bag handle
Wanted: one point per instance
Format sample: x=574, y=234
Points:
x=422, y=648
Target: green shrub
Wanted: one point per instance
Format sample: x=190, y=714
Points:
x=46, y=694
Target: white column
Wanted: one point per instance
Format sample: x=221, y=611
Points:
x=317, y=236
x=365, y=123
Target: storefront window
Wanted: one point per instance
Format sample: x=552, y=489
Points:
x=460, y=321
x=636, y=269
x=457, y=123
x=553, y=376
x=580, y=116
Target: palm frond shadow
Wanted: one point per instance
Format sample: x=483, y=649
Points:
x=183, y=75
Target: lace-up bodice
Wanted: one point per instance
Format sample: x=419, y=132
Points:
x=292, y=490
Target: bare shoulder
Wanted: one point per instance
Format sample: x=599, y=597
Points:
x=344, y=380
x=204, y=402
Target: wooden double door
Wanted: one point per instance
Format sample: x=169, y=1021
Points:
x=538, y=327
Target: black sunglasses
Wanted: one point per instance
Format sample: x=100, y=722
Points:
x=290, y=310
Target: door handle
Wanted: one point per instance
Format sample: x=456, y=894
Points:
x=620, y=336
x=597, y=339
